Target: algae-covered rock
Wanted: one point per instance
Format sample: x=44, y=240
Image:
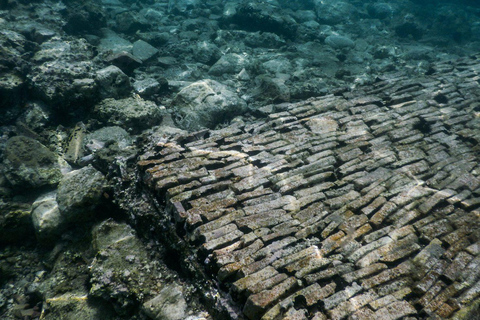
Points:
x=79, y=193
x=15, y=223
x=48, y=222
x=113, y=83
x=71, y=306
x=122, y=271
x=169, y=304
x=205, y=104
x=12, y=91
x=132, y=114
x=29, y=164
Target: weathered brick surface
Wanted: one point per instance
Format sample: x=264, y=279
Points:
x=359, y=205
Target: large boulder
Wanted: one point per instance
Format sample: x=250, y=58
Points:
x=48, y=222
x=15, y=223
x=79, y=193
x=229, y=63
x=64, y=75
x=29, y=164
x=122, y=271
x=205, y=104
x=265, y=17
x=132, y=114
x=169, y=304
x=113, y=83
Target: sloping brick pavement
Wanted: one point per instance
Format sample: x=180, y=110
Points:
x=358, y=205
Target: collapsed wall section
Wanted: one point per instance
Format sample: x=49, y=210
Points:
x=362, y=204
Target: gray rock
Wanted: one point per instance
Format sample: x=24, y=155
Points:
x=146, y=88
x=272, y=89
x=65, y=75
x=264, y=40
x=132, y=114
x=76, y=306
x=229, y=64
x=262, y=16
x=181, y=6
x=12, y=91
x=297, y=4
x=15, y=223
x=29, y=164
x=339, y=42
x=111, y=41
x=122, y=271
x=36, y=116
x=48, y=222
x=279, y=65
x=169, y=304
x=333, y=12
x=130, y=21
x=206, y=52
x=107, y=135
x=205, y=104
x=113, y=83
x=380, y=10
x=79, y=193
x=143, y=50
x=125, y=61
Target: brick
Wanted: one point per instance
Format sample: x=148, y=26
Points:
x=258, y=303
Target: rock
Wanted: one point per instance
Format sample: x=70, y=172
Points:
x=149, y=87
x=64, y=76
x=264, y=40
x=105, y=136
x=132, y=114
x=253, y=16
x=122, y=271
x=13, y=93
x=37, y=116
x=82, y=18
x=332, y=12
x=143, y=50
x=228, y=64
x=29, y=164
x=111, y=41
x=130, y=21
x=48, y=222
x=125, y=61
x=183, y=6
x=380, y=10
x=78, y=306
x=79, y=193
x=113, y=83
x=206, y=52
x=15, y=223
x=339, y=42
x=279, y=65
x=169, y=304
x=409, y=29
x=272, y=89
x=297, y=4
x=205, y=104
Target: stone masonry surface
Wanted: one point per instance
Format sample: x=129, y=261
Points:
x=359, y=205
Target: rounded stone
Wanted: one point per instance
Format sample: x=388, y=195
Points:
x=339, y=42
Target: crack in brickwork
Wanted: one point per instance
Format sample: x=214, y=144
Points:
x=360, y=205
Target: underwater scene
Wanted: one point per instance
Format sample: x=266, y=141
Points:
x=239, y=160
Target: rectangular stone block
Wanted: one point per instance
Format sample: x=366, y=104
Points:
x=264, y=219
x=257, y=304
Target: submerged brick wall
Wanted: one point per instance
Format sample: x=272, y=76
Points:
x=359, y=205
